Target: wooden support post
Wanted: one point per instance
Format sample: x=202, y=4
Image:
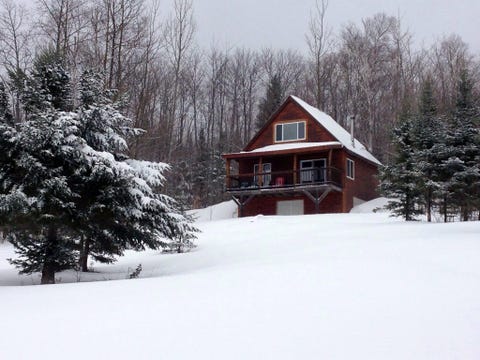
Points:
x=260, y=171
x=344, y=184
x=228, y=173
x=316, y=198
x=241, y=203
x=295, y=161
x=329, y=171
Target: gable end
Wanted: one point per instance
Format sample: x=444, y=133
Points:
x=289, y=112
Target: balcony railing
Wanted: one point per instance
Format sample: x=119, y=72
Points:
x=285, y=179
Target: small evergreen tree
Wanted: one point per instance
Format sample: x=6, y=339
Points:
x=207, y=174
x=400, y=180
x=201, y=172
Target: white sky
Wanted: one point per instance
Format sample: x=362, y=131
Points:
x=283, y=23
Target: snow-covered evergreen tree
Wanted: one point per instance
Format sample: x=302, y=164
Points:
x=48, y=86
x=120, y=206
x=201, y=179
x=37, y=201
x=400, y=180
x=428, y=133
x=463, y=147
x=67, y=179
x=437, y=160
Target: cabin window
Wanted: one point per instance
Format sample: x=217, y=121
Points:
x=290, y=131
x=350, y=169
x=313, y=170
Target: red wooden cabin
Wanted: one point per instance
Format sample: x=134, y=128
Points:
x=301, y=162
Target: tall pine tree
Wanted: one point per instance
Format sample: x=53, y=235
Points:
x=427, y=134
x=272, y=100
x=463, y=143
x=36, y=179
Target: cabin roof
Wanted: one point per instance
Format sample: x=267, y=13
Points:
x=334, y=128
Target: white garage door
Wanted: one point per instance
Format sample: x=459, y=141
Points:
x=290, y=207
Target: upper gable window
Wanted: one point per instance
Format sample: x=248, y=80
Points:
x=290, y=131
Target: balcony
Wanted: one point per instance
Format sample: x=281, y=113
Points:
x=285, y=181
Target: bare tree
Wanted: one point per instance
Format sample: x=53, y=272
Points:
x=15, y=47
x=243, y=77
x=15, y=35
x=179, y=37
x=195, y=78
x=448, y=58
x=289, y=65
x=143, y=86
x=319, y=43
x=370, y=58
x=64, y=22
x=215, y=94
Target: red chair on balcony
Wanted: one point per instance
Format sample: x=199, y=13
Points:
x=279, y=181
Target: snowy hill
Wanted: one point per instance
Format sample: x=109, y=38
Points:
x=346, y=286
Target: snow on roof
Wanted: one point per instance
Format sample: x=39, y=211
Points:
x=291, y=146
x=337, y=131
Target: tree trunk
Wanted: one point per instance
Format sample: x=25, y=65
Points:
x=48, y=270
x=84, y=252
x=48, y=274
x=407, y=208
x=445, y=212
x=429, y=205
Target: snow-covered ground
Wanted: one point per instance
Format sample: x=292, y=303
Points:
x=345, y=286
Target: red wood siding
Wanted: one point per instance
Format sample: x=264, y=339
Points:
x=267, y=204
x=245, y=166
x=363, y=186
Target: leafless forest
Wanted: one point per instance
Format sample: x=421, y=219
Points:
x=197, y=103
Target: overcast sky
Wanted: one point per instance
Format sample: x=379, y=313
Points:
x=283, y=23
